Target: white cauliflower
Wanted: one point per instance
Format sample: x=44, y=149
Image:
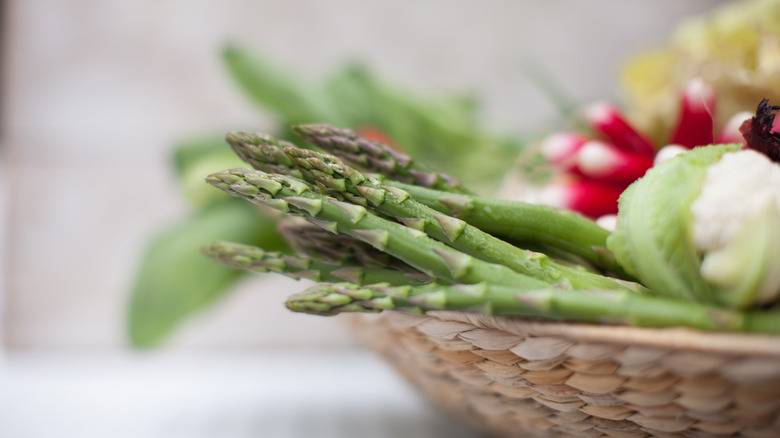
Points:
x=704, y=226
x=736, y=224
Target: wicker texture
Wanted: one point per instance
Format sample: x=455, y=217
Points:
x=515, y=377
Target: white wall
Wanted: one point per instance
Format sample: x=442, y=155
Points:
x=96, y=92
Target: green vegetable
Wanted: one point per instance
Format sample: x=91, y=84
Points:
x=611, y=307
x=280, y=90
x=654, y=237
x=252, y=258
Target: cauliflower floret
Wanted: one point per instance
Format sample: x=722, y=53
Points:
x=736, y=218
x=735, y=187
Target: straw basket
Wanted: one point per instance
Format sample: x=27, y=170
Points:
x=520, y=377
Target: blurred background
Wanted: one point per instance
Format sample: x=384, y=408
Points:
x=96, y=94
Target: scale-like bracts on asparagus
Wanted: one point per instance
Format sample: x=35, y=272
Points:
x=338, y=177
x=377, y=157
x=412, y=246
x=617, y=307
x=252, y=258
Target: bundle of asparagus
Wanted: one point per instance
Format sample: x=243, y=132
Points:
x=382, y=231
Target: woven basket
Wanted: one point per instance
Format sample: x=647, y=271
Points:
x=519, y=377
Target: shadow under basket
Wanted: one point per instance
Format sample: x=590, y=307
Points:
x=521, y=377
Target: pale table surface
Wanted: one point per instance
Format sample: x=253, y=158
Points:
x=269, y=394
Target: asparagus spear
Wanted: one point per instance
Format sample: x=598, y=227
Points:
x=252, y=258
x=412, y=246
x=333, y=299
x=593, y=306
x=375, y=156
x=337, y=176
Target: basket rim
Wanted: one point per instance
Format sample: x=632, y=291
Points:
x=662, y=337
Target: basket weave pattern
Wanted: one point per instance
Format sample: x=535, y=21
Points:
x=516, y=377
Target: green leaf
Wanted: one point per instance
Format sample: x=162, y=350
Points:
x=175, y=280
x=435, y=129
x=351, y=92
x=422, y=125
x=277, y=89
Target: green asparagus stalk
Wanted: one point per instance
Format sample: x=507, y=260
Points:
x=329, y=171
x=412, y=246
x=252, y=258
x=337, y=298
x=591, y=306
x=375, y=156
